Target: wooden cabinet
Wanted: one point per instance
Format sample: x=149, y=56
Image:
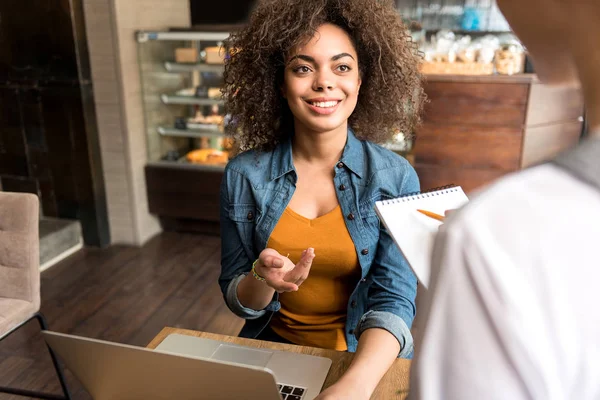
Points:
x=477, y=129
x=185, y=197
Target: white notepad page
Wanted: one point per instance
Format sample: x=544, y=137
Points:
x=414, y=232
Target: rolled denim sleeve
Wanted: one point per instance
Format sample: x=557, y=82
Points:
x=391, y=323
x=233, y=302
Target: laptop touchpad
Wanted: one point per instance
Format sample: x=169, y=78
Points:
x=241, y=355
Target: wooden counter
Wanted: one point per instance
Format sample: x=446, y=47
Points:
x=478, y=128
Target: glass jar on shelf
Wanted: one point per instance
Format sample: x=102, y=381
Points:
x=510, y=58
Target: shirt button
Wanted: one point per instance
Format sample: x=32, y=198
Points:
x=363, y=280
x=340, y=164
x=364, y=252
x=250, y=216
x=350, y=216
x=351, y=331
x=342, y=187
x=353, y=304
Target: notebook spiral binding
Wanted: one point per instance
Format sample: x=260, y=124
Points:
x=437, y=191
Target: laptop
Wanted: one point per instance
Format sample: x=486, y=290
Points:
x=185, y=367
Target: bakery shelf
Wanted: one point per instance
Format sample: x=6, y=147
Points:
x=144, y=36
x=184, y=164
x=197, y=126
x=174, y=99
x=189, y=133
x=180, y=67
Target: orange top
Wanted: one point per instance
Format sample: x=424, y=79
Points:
x=315, y=315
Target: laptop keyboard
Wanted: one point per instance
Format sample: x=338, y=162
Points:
x=289, y=392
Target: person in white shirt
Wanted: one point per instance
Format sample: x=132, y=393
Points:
x=513, y=308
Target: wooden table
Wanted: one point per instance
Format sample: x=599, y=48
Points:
x=394, y=384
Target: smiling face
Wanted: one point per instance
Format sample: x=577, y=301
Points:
x=321, y=81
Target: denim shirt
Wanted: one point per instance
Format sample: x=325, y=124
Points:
x=256, y=189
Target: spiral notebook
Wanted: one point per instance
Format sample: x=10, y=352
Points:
x=413, y=232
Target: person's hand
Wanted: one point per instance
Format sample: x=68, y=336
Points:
x=300, y=272
x=447, y=213
x=341, y=391
x=280, y=272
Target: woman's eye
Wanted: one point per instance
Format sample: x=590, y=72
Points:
x=344, y=68
x=303, y=69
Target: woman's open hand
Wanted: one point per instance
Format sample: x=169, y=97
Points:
x=300, y=272
x=280, y=272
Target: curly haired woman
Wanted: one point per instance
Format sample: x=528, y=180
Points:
x=311, y=87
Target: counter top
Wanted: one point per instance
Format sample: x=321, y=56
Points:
x=518, y=78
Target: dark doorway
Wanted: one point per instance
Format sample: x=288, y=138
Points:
x=48, y=133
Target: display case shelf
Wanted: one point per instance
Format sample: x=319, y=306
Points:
x=189, y=133
x=181, y=67
x=184, y=164
x=174, y=99
x=145, y=36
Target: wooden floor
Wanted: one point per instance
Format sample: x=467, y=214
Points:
x=121, y=294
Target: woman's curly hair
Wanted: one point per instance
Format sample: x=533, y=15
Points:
x=391, y=96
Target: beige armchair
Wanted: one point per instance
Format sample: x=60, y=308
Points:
x=20, y=275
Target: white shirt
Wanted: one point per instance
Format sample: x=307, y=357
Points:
x=513, y=311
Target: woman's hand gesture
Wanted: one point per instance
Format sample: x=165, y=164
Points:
x=280, y=272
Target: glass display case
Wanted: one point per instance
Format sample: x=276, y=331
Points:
x=181, y=77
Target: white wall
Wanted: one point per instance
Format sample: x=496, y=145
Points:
x=111, y=27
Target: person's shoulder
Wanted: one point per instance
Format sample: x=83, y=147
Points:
x=381, y=157
x=388, y=170
x=249, y=163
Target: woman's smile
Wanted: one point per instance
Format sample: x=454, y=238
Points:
x=323, y=106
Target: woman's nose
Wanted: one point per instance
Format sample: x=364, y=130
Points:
x=324, y=80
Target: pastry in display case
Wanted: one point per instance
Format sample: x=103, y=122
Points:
x=208, y=157
x=214, y=118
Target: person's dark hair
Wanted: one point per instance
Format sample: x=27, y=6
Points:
x=391, y=96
